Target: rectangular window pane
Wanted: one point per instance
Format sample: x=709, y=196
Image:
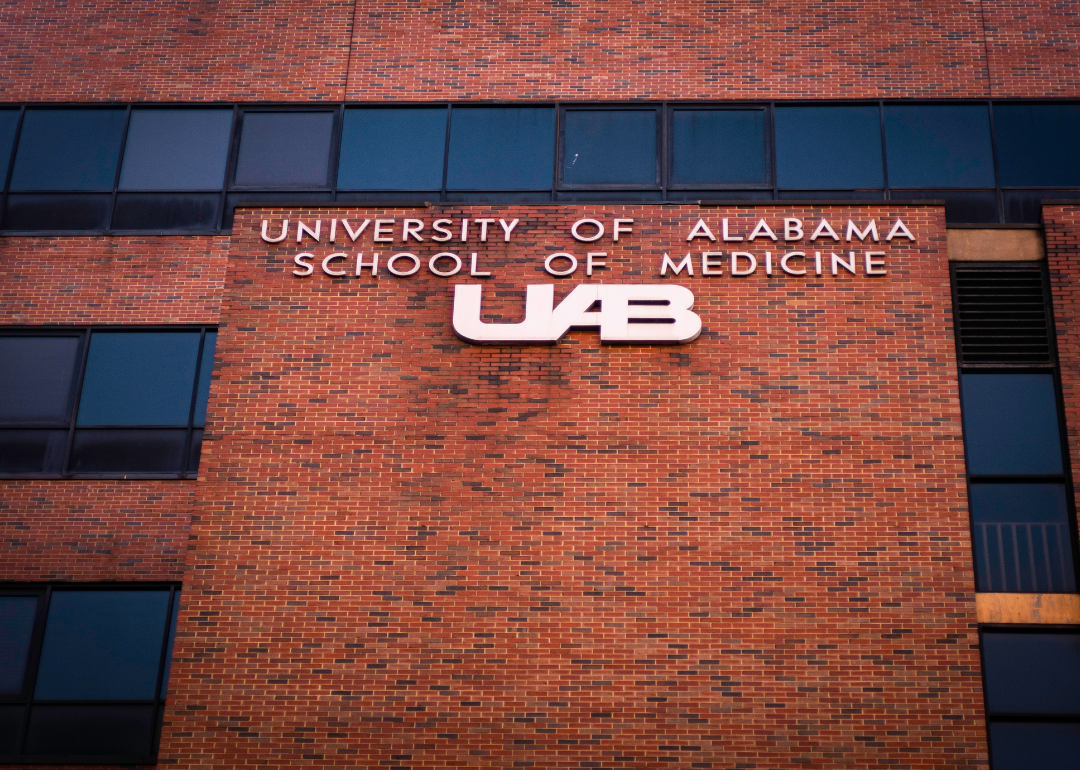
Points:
x=1022, y=540
x=16, y=627
x=1029, y=745
x=102, y=645
x=501, y=148
x=939, y=145
x=91, y=730
x=392, y=149
x=138, y=450
x=166, y=211
x=37, y=378
x=1038, y=144
x=1011, y=424
x=718, y=147
x=828, y=147
x=609, y=147
x=206, y=370
x=33, y=451
x=285, y=149
x=9, y=121
x=58, y=211
x=176, y=150
x=1029, y=673
x=68, y=149
x=139, y=378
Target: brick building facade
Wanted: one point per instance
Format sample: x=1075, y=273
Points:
x=401, y=549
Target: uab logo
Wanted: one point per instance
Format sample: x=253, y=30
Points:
x=647, y=313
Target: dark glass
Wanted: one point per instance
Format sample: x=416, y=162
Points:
x=32, y=451
x=138, y=450
x=398, y=148
x=139, y=378
x=285, y=149
x=176, y=149
x=172, y=639
x=90, y=730
x=961, y=206
x=57, y=211
x=1025, y=206
x=1038, y=144
x=268, y=198
x=830, y=195
x=501, y=148
x=609, y=195
x=1029, y=673
x=9, y=121
x=417, y=197
x=102, y=645
x=497, y=197
x=609, y=147
x=11, y=729
x=1022, y=540
x=719, y=195
x=68, y=149
x=939, y=145
x=195, y=452
x=167, y=211
x=206, y=370
x=718, y=147
x=1011, y=424
x=16, y=627
x=37, y=378
x=1034, y=746
x=828, y=147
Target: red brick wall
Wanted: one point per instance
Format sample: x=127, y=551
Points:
x=592, y=50
x=415, y=552
x=102, y=530
x=1062, y=229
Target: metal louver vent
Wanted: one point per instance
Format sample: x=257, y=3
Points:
x=1002, y=316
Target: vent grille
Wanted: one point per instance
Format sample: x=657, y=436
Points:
x=1002, y=316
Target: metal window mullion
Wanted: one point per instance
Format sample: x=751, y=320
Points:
x=11, y=164
x=446, y=151
x=119, y=168
x=770, y=147
x=336, y=134
x=556, y=154
x=884, y=153
x=159, y=694
x=64, y=470
x=994, y=158
x=230, y=166
x=33, y=662
x=191, y=405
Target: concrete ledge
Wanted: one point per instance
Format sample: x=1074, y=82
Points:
x=997, y=245
x=1027, y=608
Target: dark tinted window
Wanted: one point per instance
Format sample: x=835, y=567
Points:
x=206, y=370
x=939, y=146
x=37, y=378
x=9, y=121
x=16, y=627
x=102, y=645
x=1035, y=746
x=501, y=148
x=609, y=147
x=176, y=149
x=1011, y=424
x=1022, y=540
x=1032, y=673
x=1038, y=144
x=68, y=150
x=97, y=672
x=393, y=149
x=718, y=147
x=284, y=149
x=139, y=378
x=828, y=147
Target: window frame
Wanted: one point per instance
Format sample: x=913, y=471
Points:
x=333, y=156
x=84, y=333
x=1052, y=368
x=768, y=146
x=26, y=698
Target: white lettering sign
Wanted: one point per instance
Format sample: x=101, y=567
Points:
x=645, y=313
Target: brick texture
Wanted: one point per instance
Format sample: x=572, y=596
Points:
x=418, y=50
x=747, y=551
x=1062, y=229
